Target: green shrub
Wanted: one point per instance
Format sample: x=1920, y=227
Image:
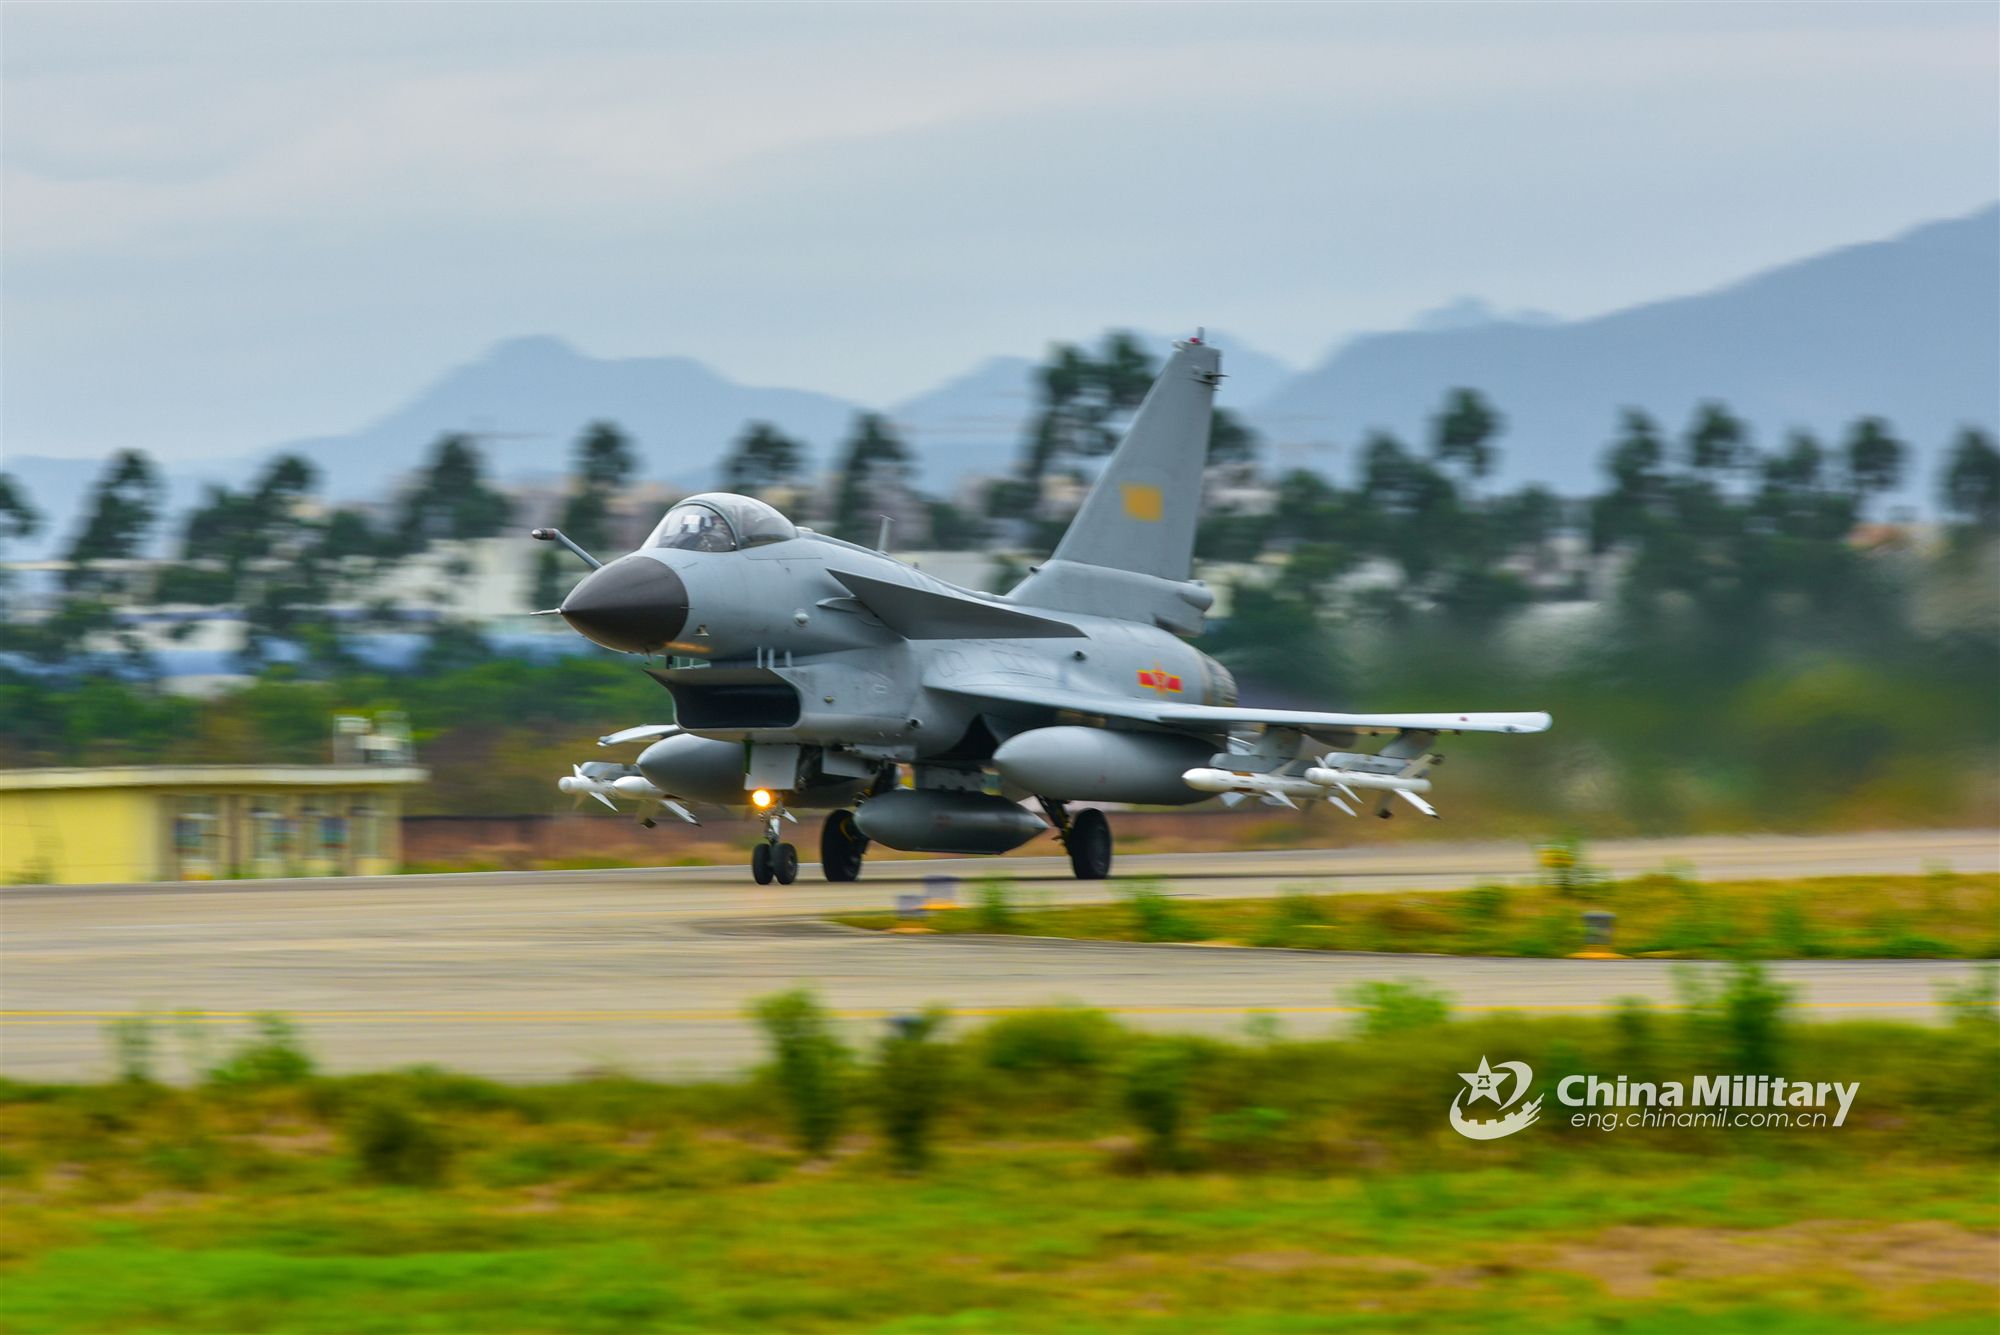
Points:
x=1397, y=1007
x=1484, y=904
x=1753, y=1008
x=1548, y=934
x=1155, y=917
x=1912, y=946
x=394, y=1144
x=1156, y=1096
x=275, y=1057
x=1701, y=926
x=1636, y=1038
x=1258, y=1139
x=993, y=905
x=132, y=1047
x=188, y=1165
x=1743, y=1024
x=911, y=1077
x=1074, y=1039
x=1292, y=912
x=542, y=1161
x=810, y=1065
x=1792, y=934
x=1974, y=1004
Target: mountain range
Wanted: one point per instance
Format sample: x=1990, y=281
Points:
x=1906, y=328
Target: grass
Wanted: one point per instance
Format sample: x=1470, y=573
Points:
x=1942, y=915
x=1274, y=1184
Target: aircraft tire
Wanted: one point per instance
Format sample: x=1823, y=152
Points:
x=760, y=864
x=785, y=864
x=841, y=846
x=1089, y=845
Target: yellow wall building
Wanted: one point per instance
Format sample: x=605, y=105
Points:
x=200, y=822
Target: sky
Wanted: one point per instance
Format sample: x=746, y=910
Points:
x=226, y=226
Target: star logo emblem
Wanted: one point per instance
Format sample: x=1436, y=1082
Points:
x=1485, y=1083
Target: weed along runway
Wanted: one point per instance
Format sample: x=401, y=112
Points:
x=540, y=975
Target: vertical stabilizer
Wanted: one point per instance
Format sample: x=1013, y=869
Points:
x=1140, y=516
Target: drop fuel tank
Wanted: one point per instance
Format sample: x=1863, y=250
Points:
x=1097, y=765
x=919, y=820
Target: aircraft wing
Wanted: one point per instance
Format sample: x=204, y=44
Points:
x=1222, y=718
x=936, y=611
x=646, y=732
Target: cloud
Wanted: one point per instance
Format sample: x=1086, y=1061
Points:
x=223, y=223
x=112, y=158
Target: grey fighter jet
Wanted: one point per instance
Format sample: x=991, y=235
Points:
x=808, y=673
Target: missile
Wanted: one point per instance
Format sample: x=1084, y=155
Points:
x=1283, y=787
x=635, y=786
x=1350, y=779
x=1402, y=785
x=580, y=785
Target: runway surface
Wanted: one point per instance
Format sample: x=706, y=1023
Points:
x=541, y=975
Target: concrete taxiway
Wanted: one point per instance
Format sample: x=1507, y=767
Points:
x=542, y=975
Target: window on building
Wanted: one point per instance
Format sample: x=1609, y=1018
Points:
x=367, y=830
x=197, y=834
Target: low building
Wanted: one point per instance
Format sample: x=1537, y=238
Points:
x=200, y=822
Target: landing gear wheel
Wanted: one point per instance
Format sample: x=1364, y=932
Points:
x=784, y=860
x=760, y=863
x=841, y=845
x=1089, y=844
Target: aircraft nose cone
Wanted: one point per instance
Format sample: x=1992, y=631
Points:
x=634, y=605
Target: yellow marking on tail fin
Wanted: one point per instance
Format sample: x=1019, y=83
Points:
x=1142, y=501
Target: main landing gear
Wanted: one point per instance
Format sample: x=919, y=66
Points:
x=1085, y=836
x=774, y=860
x=841, y=846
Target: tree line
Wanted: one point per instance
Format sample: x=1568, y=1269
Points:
x=1701, y=523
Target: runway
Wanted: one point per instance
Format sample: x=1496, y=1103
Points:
x=541, y=975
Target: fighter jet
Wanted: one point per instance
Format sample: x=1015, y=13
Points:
x=812, y=674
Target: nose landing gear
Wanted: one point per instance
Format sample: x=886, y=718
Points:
x=774, y=860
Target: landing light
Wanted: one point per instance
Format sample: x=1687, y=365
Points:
x=761, y=798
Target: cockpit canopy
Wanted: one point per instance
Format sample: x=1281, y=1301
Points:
x=719, y=521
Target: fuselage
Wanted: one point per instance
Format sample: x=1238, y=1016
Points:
x=776, y=649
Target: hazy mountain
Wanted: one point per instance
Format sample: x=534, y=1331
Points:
x=1908, y=329
x=528, y=398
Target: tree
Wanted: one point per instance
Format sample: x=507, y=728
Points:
x=124, y=507
x=604, y=456
x=762, y=458
x=18, y=516
x=602, y=461
x=1874, y=458
x=1638, y=482
x=1461, y=432
x=449, y=500
x=1716, y=441
x=1800, y=467
x=1082, y=399
x=1230, y=442
x=873, y=460
x=1972, y=480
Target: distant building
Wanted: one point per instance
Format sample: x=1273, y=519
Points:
x=211, y=822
